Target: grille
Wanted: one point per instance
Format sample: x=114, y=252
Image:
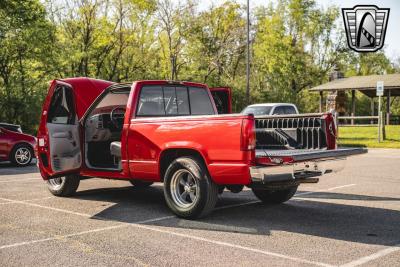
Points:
x=291, y=133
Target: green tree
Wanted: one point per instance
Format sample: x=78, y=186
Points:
x=26, y=38
x=294, y=49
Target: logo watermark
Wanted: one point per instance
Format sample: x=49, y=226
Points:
x=365, y=27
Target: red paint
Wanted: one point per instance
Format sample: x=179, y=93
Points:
x=9, y=139
x=225, y=142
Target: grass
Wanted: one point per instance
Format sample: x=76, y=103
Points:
x=367, y=136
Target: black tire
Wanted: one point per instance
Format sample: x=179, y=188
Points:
x=64, y=186
x=19, y=151
x=140, y=184
x=274, y=196
x=205, y=192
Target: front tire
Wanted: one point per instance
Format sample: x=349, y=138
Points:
x=188, y=189
x=274, y=196
x=21, y=155
x=64, y=186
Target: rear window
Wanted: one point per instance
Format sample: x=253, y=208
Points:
x=290, y=110
x=282, y=110
x=155, y=101
x=16, y=129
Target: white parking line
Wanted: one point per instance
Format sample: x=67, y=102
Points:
x=322, y=190
x=18, y=180
x=139, y=224
x=220, y=243
x=25, y=200
x=84, y=232
x=373, y=256
x=47, y=207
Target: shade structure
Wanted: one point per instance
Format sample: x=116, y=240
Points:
x=364, y=84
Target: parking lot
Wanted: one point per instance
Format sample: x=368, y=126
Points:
x=351, y=218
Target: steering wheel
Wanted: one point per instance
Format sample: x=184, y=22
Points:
x=116, y=115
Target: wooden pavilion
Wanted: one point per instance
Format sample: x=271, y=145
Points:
x=336, y=88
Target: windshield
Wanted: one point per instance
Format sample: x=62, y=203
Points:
x=257, y=110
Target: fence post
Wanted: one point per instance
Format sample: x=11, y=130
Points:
x=379, y=126
x=379, y=119
x=383, y=126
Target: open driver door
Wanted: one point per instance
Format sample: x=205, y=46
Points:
x=223, y=99
x=59, y=146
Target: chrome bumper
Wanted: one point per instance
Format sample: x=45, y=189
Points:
x=300, y=170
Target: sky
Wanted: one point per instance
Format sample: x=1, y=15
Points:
x=392, y=39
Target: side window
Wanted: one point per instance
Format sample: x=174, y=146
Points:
x=200, y=102
x=151, y=101
x=279, y=110
x=61, y=109
x=290, y=110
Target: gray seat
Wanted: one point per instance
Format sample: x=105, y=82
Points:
x=115, y=149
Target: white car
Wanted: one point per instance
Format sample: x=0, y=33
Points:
x=271, y=109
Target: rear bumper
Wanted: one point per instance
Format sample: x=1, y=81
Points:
x=303, y=164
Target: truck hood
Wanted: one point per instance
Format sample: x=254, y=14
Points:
x=86, y=90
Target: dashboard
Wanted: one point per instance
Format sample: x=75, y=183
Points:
x=99, y=127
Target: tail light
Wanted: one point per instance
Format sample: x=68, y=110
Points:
x=331, y=134
x=248, y=141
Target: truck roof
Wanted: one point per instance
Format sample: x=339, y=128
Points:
x=271, y=104
x=4, y=124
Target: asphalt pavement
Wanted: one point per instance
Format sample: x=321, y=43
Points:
x=349, y=218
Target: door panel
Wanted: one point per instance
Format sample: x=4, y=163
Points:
x=65, y=151
x=63, y=146
x=4, y=144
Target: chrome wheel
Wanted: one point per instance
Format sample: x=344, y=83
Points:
x=56, y=183
x=23, y=156
x=184, y=189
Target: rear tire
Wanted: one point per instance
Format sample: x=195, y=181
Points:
x=21, y=155
x=274, y=196
x=64, y=186
x=188, y=189
x=140, y=184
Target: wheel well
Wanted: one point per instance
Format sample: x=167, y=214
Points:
x=170, y=155
x=23, y=143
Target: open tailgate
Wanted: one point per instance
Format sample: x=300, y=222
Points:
x=274, y=165
x=299, y=155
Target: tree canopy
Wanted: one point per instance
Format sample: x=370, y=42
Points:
x=295, y=44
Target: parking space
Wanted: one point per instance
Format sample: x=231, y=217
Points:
x=351, y=218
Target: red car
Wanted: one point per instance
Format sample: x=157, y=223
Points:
x=16, y=146
x=170, y=132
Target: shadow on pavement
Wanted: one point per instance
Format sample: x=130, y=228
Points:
x=6, y=168
x=359, y=224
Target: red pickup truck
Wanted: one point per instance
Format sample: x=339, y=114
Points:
x=170, y=132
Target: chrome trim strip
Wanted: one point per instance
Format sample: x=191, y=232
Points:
x=228, y=164
x=144, y=161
